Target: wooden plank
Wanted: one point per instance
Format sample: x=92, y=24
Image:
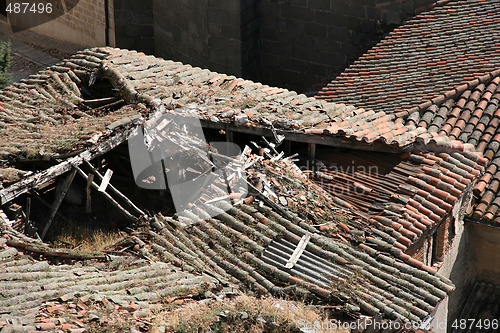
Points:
x=122, y=210
x=88, y=202
x=23, y=186
x=58, y=200
x=322, y=139
x=298, y=250
x=105, y=180
x=116, y=191
x=311, y=151
x=28, y=209
x=5, y=219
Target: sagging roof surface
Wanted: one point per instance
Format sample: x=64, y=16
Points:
x=410, y=194
x=450, y=44
x=470, y=113
x=251, y=244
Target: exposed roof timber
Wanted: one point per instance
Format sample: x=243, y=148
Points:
x=23, y=186
x=324, y=139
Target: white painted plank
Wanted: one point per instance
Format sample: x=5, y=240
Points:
x=105, y=180
x=298, y=251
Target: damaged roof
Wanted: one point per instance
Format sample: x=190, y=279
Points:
x=408, y=195
x=249, y=244
x=454, y=42
x=52, y=113
x=40, y=295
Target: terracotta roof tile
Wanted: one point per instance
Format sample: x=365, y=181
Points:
x=472, y=117
x=439, y=46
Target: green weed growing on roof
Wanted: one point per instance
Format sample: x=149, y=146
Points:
x=5, y=58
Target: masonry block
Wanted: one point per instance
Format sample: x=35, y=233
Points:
x=339, y=34
x=330, y=19
x=315, y=30
x=138, y=5
x=319, y=4
x=354, y=23
x=297, y=13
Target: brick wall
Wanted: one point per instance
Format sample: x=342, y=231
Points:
x=304, y=41
x=81, y=22
x=134, y=25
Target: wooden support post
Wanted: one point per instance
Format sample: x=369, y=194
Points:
x=57, y=202
x=88, y=202
x=288, y=147
x=114, y=190
x=229, y=135
x=28, y=209
x=311, y=151
x=122, y=210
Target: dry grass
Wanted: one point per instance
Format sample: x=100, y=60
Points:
x=244, y=314
x=88, y=240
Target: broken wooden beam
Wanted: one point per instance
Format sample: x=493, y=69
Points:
x=88, y=202
x=105, y=180
x=5, y=219
x=116, y=191
x=122, y=210
x=23, y=186
x=58, y=200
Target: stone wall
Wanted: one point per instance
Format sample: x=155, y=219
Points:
x=204, y=33
x=251, y=36
x=287, y=43
x=304, y=41
x=134, y=25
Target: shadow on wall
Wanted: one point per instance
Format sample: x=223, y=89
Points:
x=134, y=25
x=306, y=42
x=288, y=43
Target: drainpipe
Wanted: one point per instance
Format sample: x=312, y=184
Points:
x=106, y=24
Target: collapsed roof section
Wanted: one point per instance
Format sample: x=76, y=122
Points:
x=270, y=243
x=409, y=195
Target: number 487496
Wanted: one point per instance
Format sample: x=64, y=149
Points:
x=476, y=324
x=26, y=8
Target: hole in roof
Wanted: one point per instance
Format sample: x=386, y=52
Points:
x=99, y=94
